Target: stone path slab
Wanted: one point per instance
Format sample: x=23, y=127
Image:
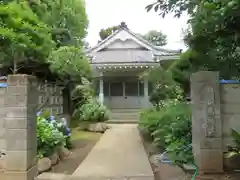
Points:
x=119, y=154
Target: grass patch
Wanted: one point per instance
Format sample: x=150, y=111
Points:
x=78, y=134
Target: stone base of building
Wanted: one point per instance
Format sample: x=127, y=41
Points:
x=18, y=175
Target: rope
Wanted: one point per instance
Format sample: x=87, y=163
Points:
x=167, y=161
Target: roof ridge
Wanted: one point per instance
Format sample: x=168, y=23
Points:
x=147, y=43
x=106, y=39
x=151, y=44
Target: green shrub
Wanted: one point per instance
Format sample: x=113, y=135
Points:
x=170, y=127
x=162, y=92
x=236, y=138
x=92, y=111
x=87, y=109
x=164, y=87
x=48, y=138
x=82, y=93
x=52, y=132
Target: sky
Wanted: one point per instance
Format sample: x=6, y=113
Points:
x=106, y=13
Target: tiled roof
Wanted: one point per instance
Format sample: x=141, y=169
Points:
x=123, y=56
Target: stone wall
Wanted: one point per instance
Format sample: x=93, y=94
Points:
x=42, y=91
x=51, y=96
x=20, y=139
x=230, y=111
x=2, y=121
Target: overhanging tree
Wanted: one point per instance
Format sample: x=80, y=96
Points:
x=215, y=32
x=68, y=21
x=23, y=36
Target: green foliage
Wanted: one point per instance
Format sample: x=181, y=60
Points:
x=215, y=32
x=184, y=67
x=104, y=33
x=164, y=87
x=170, y=127
x=87, y=109
x=70, y=63
x=82, y=93
x=23, y=36
x=236, y=138
x=68, y=19
x=157, y=38
x=162, y=92
x=92, y=111
x=52, y=132
x=169, y=121
x=45, y=35
x=49, y=138
x=172, y=6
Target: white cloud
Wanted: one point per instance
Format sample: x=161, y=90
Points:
x=106, y=13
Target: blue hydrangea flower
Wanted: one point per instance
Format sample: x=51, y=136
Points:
x=52, y=118
x=39, y=113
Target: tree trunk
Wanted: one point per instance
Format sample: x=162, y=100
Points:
x=15, y=67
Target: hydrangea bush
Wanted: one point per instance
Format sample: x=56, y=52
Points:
x=52, y=132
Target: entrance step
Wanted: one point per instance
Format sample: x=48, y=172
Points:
x=124, y=115
x=122, y=121
x=125, y=110
x=115, y=178
x=53, y=176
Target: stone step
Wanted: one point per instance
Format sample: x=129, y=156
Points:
x=127, y=113
x=122, y=121
x=53, y=176
x=123, y=116
x=125, y=110
x=113, y=178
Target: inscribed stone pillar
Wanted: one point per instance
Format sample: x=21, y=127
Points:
x=206, y=122
x=21, y=143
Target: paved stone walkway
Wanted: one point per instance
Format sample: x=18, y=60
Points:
x=119, y=154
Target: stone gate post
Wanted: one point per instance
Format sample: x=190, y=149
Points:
x=206, y=122
x=20, y=123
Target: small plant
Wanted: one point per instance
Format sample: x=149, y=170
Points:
x=236, y=138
